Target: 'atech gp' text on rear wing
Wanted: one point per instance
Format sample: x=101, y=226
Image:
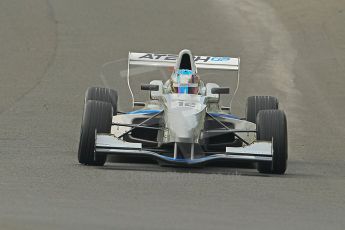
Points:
x=169, y=60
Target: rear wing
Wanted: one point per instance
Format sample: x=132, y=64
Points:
x=169, y=60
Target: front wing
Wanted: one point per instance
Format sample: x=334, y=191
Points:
x=110, y=145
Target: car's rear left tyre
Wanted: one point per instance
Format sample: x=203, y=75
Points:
x=97, y=117
x=257, y=103
x=102, y=94
x=272, y=126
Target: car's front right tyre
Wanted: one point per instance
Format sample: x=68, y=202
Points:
x=97, y=117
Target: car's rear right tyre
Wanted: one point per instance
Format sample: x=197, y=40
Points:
x=97, y=118
x=102, y=94
x=257, y=103
x=272, y=126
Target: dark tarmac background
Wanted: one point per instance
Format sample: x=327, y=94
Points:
x=51, y=51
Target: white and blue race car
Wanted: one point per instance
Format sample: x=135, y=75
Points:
x=182, y=123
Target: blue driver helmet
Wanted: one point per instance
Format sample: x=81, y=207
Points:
x=184, y=81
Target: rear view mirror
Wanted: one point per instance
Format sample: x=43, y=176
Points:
x=220, y=90
x=149, y=87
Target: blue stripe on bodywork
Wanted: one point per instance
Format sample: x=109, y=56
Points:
x=222, y=115
x=155, y=111
x=145, y=111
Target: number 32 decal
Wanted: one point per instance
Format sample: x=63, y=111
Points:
x=185, y=104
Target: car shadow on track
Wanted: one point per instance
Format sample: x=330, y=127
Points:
x=234, y=169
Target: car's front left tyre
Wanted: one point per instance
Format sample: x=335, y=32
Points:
x=97, y=117
x=272, y=126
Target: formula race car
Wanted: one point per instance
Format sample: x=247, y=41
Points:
x=182, y=123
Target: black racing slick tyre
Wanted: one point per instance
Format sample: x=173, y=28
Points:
x=97, y=117
x=102, y=94
x=257, y=103
x=272, y=126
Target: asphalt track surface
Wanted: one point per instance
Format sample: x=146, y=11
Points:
x=51, y=51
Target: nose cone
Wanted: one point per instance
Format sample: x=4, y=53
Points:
x=186, y=61
x=184, y=117
x=184, y=125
